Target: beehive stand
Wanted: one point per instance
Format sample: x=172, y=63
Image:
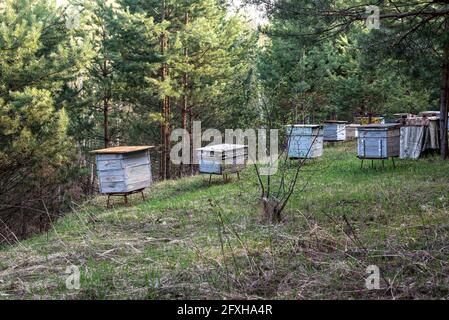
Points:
x=123, y=171
x=372, y=162
x=125, y=196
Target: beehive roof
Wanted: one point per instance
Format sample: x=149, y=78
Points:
x=304, y=125
x=380, y=126
x=222, y=147
x=121, y=150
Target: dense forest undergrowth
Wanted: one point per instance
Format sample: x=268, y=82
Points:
x=192, y=240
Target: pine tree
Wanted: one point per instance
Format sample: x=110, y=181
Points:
x=39, y=56
x=202, y=57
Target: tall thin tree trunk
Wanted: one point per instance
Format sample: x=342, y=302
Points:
x=163, y=133
x=167, y=139
x=105, y=100
x=106, y=122
x=192, y=171
x=444, y=103
x=106, y=109
x=184, y=102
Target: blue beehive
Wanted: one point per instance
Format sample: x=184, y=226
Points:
x=379, y=141
x=334, y=130
x=305, y=141
x=123, y=170
x=222, y=159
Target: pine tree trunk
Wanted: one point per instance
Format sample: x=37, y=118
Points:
x=105, y=102
x=184, y=97
x=192, y=171
x=164, y=105
x=167, y=138
x=162, y=165
x=444, y=102
x=106, y=122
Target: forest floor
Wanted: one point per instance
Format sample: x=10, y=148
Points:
x=191, y=240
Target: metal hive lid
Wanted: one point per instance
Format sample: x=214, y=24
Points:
x=304, y=126
x=222, y=147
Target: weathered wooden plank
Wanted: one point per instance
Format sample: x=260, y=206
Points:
x=134, y=160
x=113, y=187
x=101, y=157
x=104, y=165
x=139, y=173
x=138, y=185
x=105, y=178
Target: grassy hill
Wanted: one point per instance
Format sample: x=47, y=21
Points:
x=192, y=240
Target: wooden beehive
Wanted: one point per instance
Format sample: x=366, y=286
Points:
x=305, y=141
x=123, y=170
x=379, y=141
x=222, y=158
x=352, y=131
x=334, y=130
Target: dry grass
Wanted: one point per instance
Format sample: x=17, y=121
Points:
x=189, y=240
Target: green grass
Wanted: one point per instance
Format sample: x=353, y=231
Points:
x=192, y=240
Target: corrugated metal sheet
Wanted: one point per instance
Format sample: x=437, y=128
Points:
x=412, y=141
x=416, y=139
x=432, y=140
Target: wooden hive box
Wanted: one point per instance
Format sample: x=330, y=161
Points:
x=379, y=141
x=334, y=130
x=352, y=131
x=305, y=141
x=222, y=158
x=123, y=170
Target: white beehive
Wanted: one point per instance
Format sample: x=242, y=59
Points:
x=305, y=141
x=222, y=158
